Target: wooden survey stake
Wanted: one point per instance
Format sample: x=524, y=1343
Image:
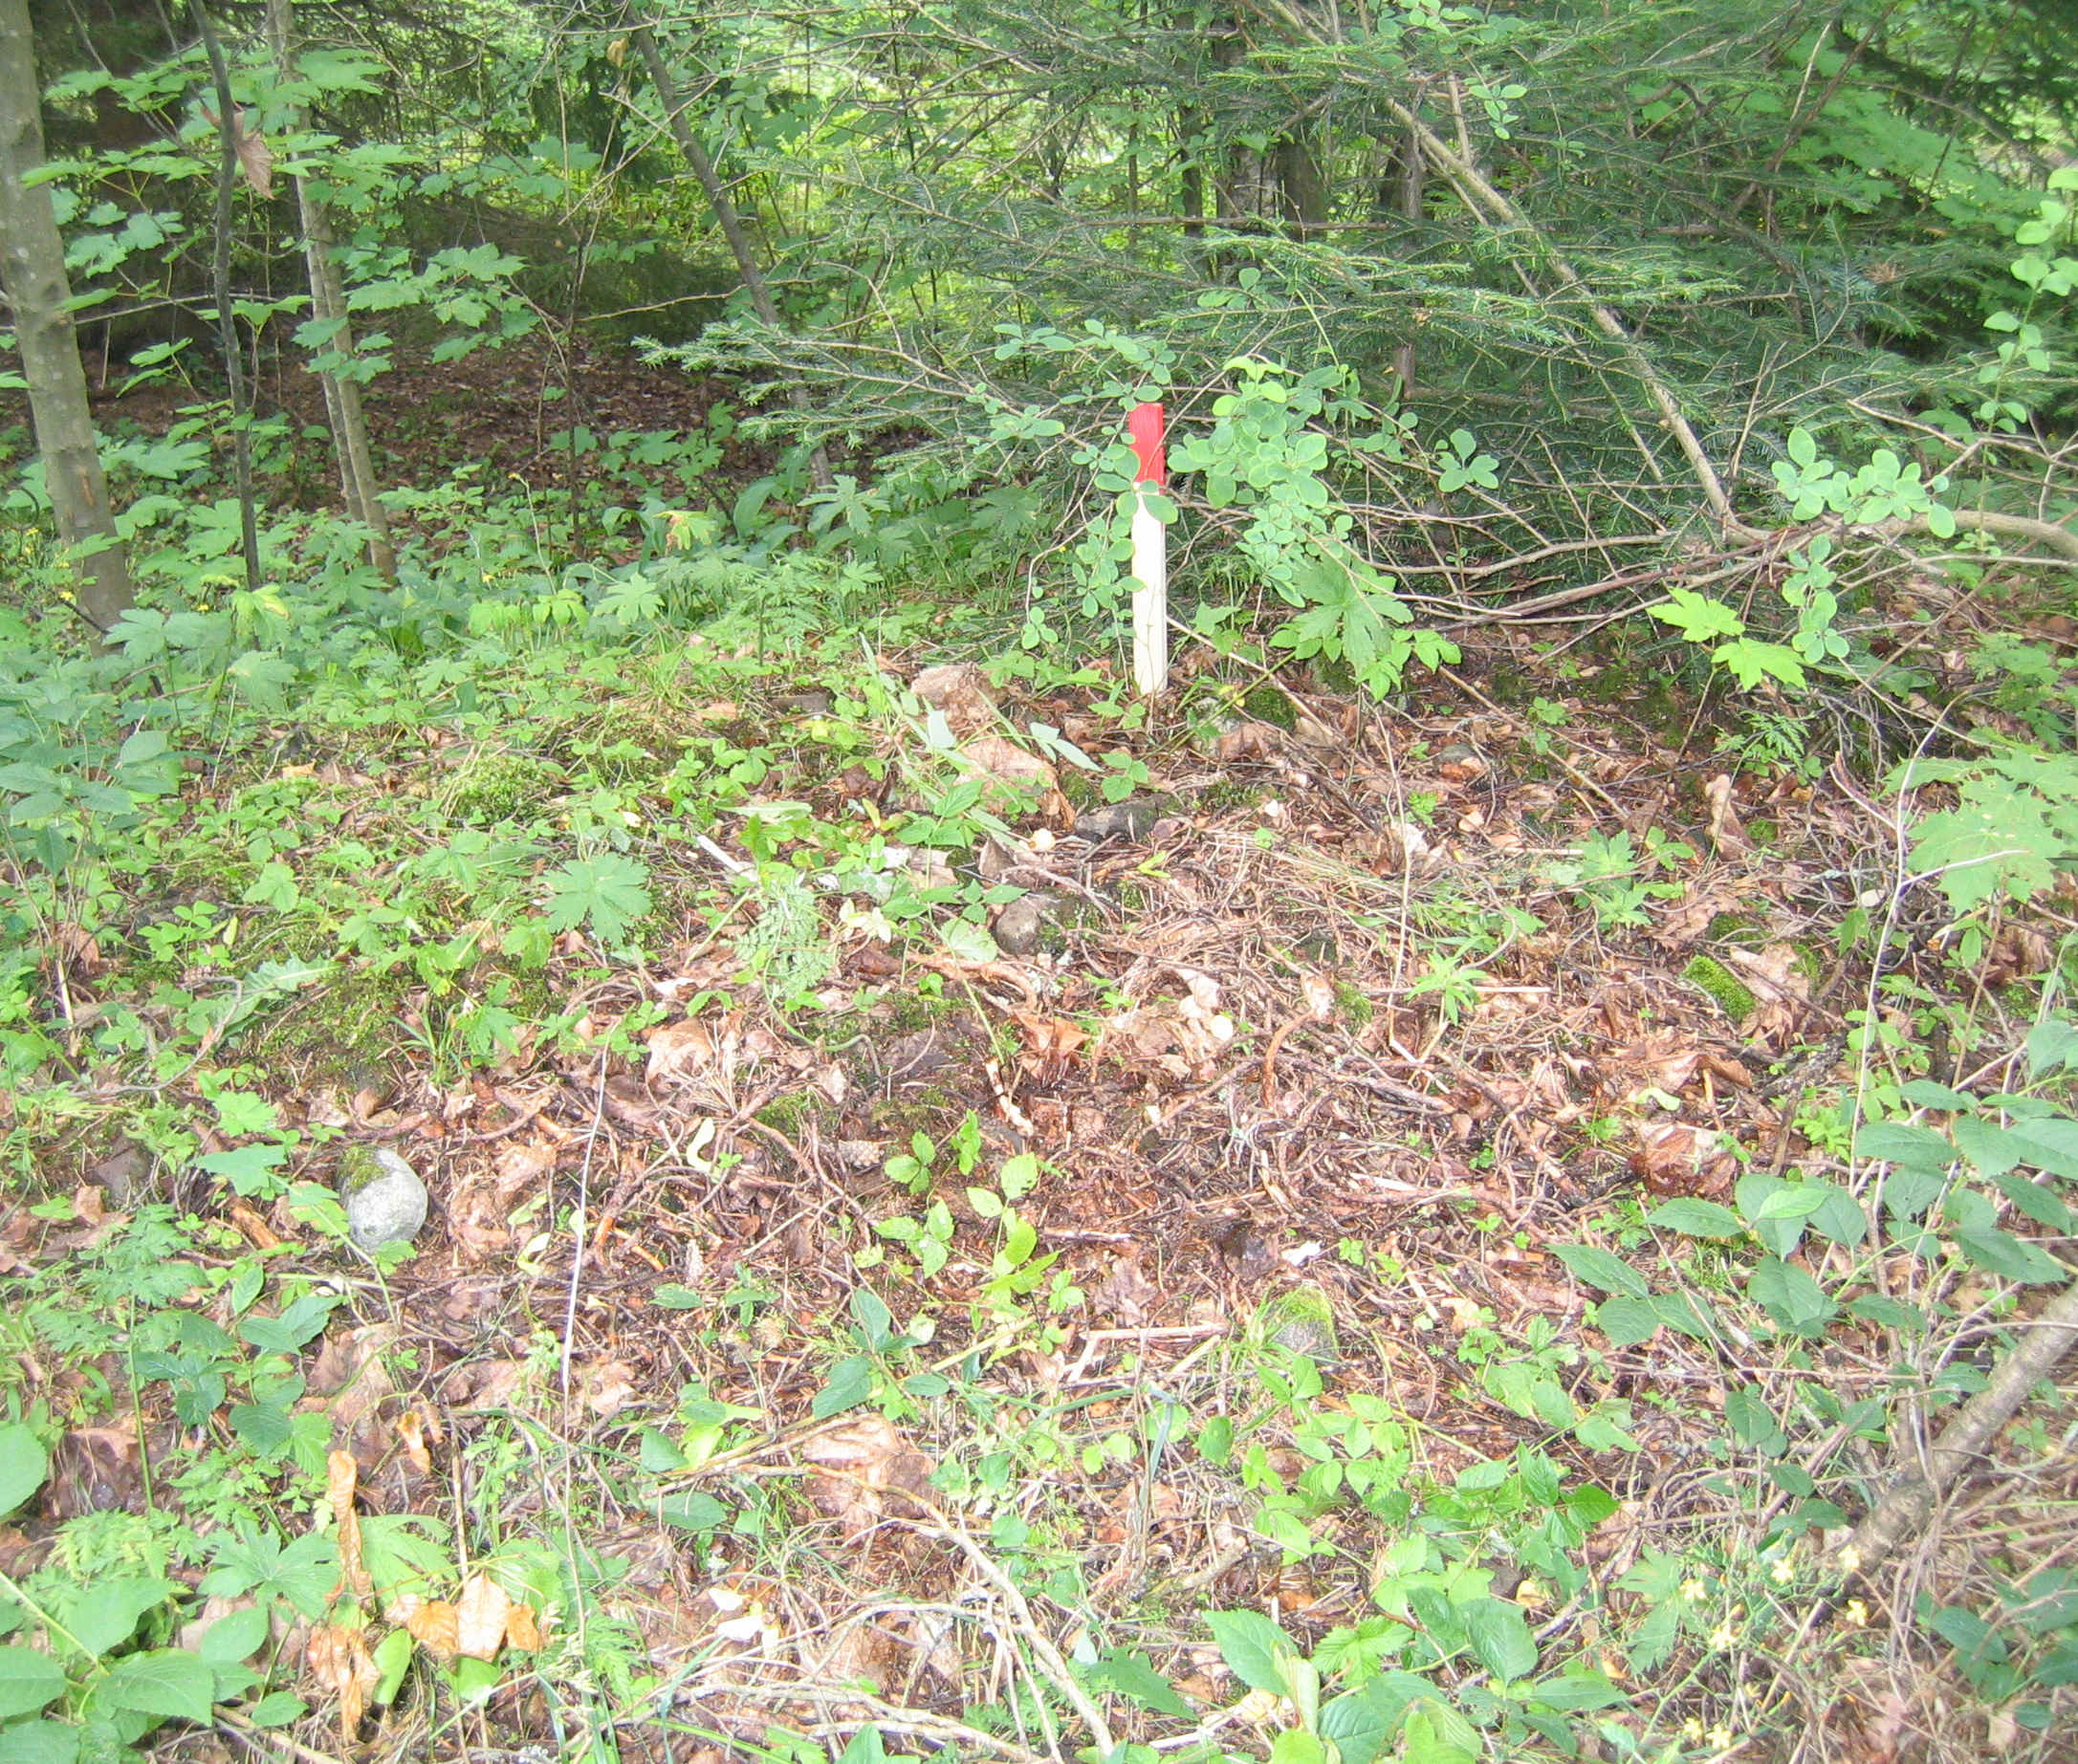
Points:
x=1150, y=552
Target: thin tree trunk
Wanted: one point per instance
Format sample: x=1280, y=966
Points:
x=33, y=272
x=328, y=303
x=1457, y=164
x=724, y=213
x=1412, y=205
x=226, y=320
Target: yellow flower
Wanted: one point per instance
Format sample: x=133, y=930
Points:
x=1722, y=1636
x=1856, y=1614
x=1721, y=1737
x=1849, y=1560
x=1784, y=1572
x=1691, y=1731
x=1695, y=1591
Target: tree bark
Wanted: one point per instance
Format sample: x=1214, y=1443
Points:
x=33, y=272
x=725, y=212
x=328, y=302
x=226, y=317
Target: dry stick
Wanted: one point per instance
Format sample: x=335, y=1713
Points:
x=1909, y=1505
x=725, y=214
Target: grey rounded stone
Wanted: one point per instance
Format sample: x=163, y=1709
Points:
x=1021, y=925
x=383, y=1197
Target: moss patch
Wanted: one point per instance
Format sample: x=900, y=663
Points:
x=1732, y=994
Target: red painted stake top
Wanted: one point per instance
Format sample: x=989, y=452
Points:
x=1144, y=426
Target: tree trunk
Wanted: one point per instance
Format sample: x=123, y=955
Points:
x=33, y=271
x=328, y=303
x=226, y=317
x=725, y=212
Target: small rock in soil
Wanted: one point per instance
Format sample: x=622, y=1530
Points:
x=1133, y=818
x=1020, y=926
x=124, y=1173
x=383, y=1197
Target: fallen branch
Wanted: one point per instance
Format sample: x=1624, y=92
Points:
x=1910, y=1503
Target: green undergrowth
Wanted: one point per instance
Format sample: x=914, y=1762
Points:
x=329, y=836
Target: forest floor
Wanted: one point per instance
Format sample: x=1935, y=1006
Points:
x=931, y=1340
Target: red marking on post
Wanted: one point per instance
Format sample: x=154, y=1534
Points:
x=1144, y=426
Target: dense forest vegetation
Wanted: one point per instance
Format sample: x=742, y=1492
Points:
x=726, y=1031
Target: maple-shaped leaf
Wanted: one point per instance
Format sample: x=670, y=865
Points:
x=609, y=892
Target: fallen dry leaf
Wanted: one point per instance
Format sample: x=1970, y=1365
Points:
x=682, y=1051
x=1676, y=1158
x=1248, y=741
x=435, y=1627
x=960, y=690
x=337, y=1659
x=341, y=1474
x=999, y=761
x=480, y=1617
x=1726, y=831
x=860, y=1464
x=608, y=1386
x=523, y=1629
x=1781, y=994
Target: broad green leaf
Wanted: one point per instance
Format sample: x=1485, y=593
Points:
x=1753, y=1423
x=236, y=1637
x=1437, y=1734
x=2014, y=1258
x=304, y=1320
x=40, y=1742
x=1500, y=1635
x=1296, y=1746
x=1788, y=1294
x=23, y=1463
x=277, y=1708
x=1599, y=1268
x=106, y=1615
x=966, y=941
x=2037, y=1202
x=1251, y=1644
x=1926, y=1094
x=1364, y=1721
x=27, y=1681
x=1887, y=1313
x=865, y=1747
x=1629, y=1321
x=168, y=1681
x=1992, y=1149
x=1910, y=1148
x=1698, y=618
x=609, y=892
x=1577, y=1691
x=1696, y=1218
x=850, y=1384
x=657, y=1454
x=2051, y=1145
x=693, y=1512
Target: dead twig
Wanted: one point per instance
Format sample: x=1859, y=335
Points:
x=1909, y=1502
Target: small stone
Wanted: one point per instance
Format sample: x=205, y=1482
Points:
x=125, y=1174
x=1133, y=818
x=1301, y=1320
x=1460, y=762
x=1021, y=925
x=383, y=1197
x=813, y=703
x=961, y=691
